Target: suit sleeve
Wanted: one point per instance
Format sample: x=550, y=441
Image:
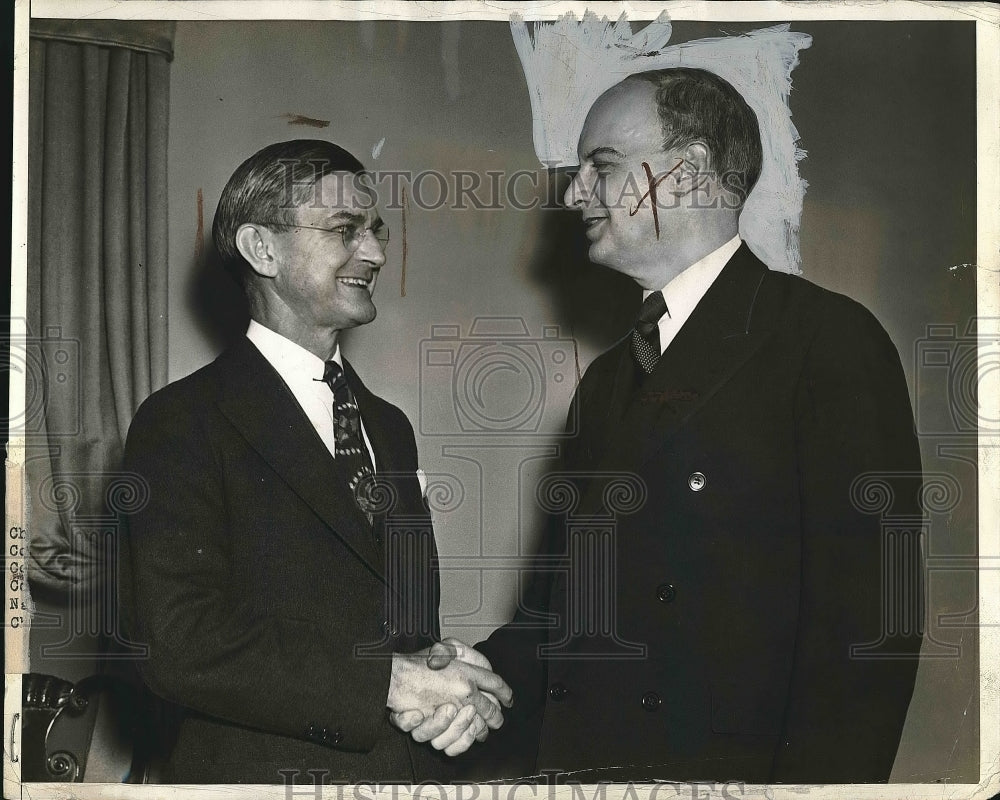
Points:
x=847, y=706
x=207, y=650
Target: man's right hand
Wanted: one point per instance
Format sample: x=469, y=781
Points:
x=453, y=726
x=415, y=686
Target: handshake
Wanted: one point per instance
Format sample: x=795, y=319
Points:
x=447, y=695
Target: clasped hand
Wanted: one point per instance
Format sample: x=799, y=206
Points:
x=447, y=695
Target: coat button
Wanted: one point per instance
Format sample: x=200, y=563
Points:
x=651, y=701
x=311, y=730
x=697, y=481
x=558, y=691
x=337, y=737
x=666, y=593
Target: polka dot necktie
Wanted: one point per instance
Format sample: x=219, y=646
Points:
x=350, y=444
x=646, y=333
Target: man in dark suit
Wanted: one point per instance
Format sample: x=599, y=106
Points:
x=730, y=611
x=283, y=571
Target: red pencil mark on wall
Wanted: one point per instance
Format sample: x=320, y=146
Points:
x=309, y=122
x=651, y=193
x=402, y=271
x=576, y=357
x=199, y=236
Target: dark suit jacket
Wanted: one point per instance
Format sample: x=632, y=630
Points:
x=269, y=607
x=748, y=572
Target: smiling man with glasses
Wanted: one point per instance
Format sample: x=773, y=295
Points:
x=261, y=573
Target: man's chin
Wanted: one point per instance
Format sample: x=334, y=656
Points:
x=600, y=254
x=606, y=257
x=361, y=316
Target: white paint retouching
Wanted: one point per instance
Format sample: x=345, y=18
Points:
x=569, y=63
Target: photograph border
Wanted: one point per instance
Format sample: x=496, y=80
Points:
x=987, y=19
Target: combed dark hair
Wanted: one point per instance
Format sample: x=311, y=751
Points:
x=265, y=186
x=696, y=105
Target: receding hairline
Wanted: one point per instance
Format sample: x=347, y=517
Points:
x=626, y=83
x=253, y=191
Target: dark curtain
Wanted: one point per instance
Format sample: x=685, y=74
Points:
x=97, y=285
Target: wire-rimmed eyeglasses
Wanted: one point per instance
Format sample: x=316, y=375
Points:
x=352, y=234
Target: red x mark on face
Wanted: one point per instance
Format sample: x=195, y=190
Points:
x=652, y=183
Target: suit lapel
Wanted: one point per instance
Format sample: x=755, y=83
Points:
x=623, y=382
x=712, y=345
x=258, y=403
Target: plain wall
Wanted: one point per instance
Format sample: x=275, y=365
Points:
x=886, y=112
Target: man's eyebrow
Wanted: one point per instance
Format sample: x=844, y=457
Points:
x=346, y=216
x=603, y=151
x=356, y=219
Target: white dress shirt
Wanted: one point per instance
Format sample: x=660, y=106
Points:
x=302, y=373
x=686, y=289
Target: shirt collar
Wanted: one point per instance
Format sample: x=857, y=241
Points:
x=292, y=361
x=694, y=281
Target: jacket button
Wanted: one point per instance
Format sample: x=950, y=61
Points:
x=697, y=481
x=558, y=691
x=311, y=730
x=666, y=593
x=337, y=737
x=651, y=701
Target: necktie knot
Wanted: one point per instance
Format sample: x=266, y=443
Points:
x=346, y=417
x=652, y=309
x=333, y=376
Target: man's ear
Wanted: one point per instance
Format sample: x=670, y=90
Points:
x=255, y=244
x=695, y=171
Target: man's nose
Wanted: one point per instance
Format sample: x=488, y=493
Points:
x=577, y=193
x=370, y=250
